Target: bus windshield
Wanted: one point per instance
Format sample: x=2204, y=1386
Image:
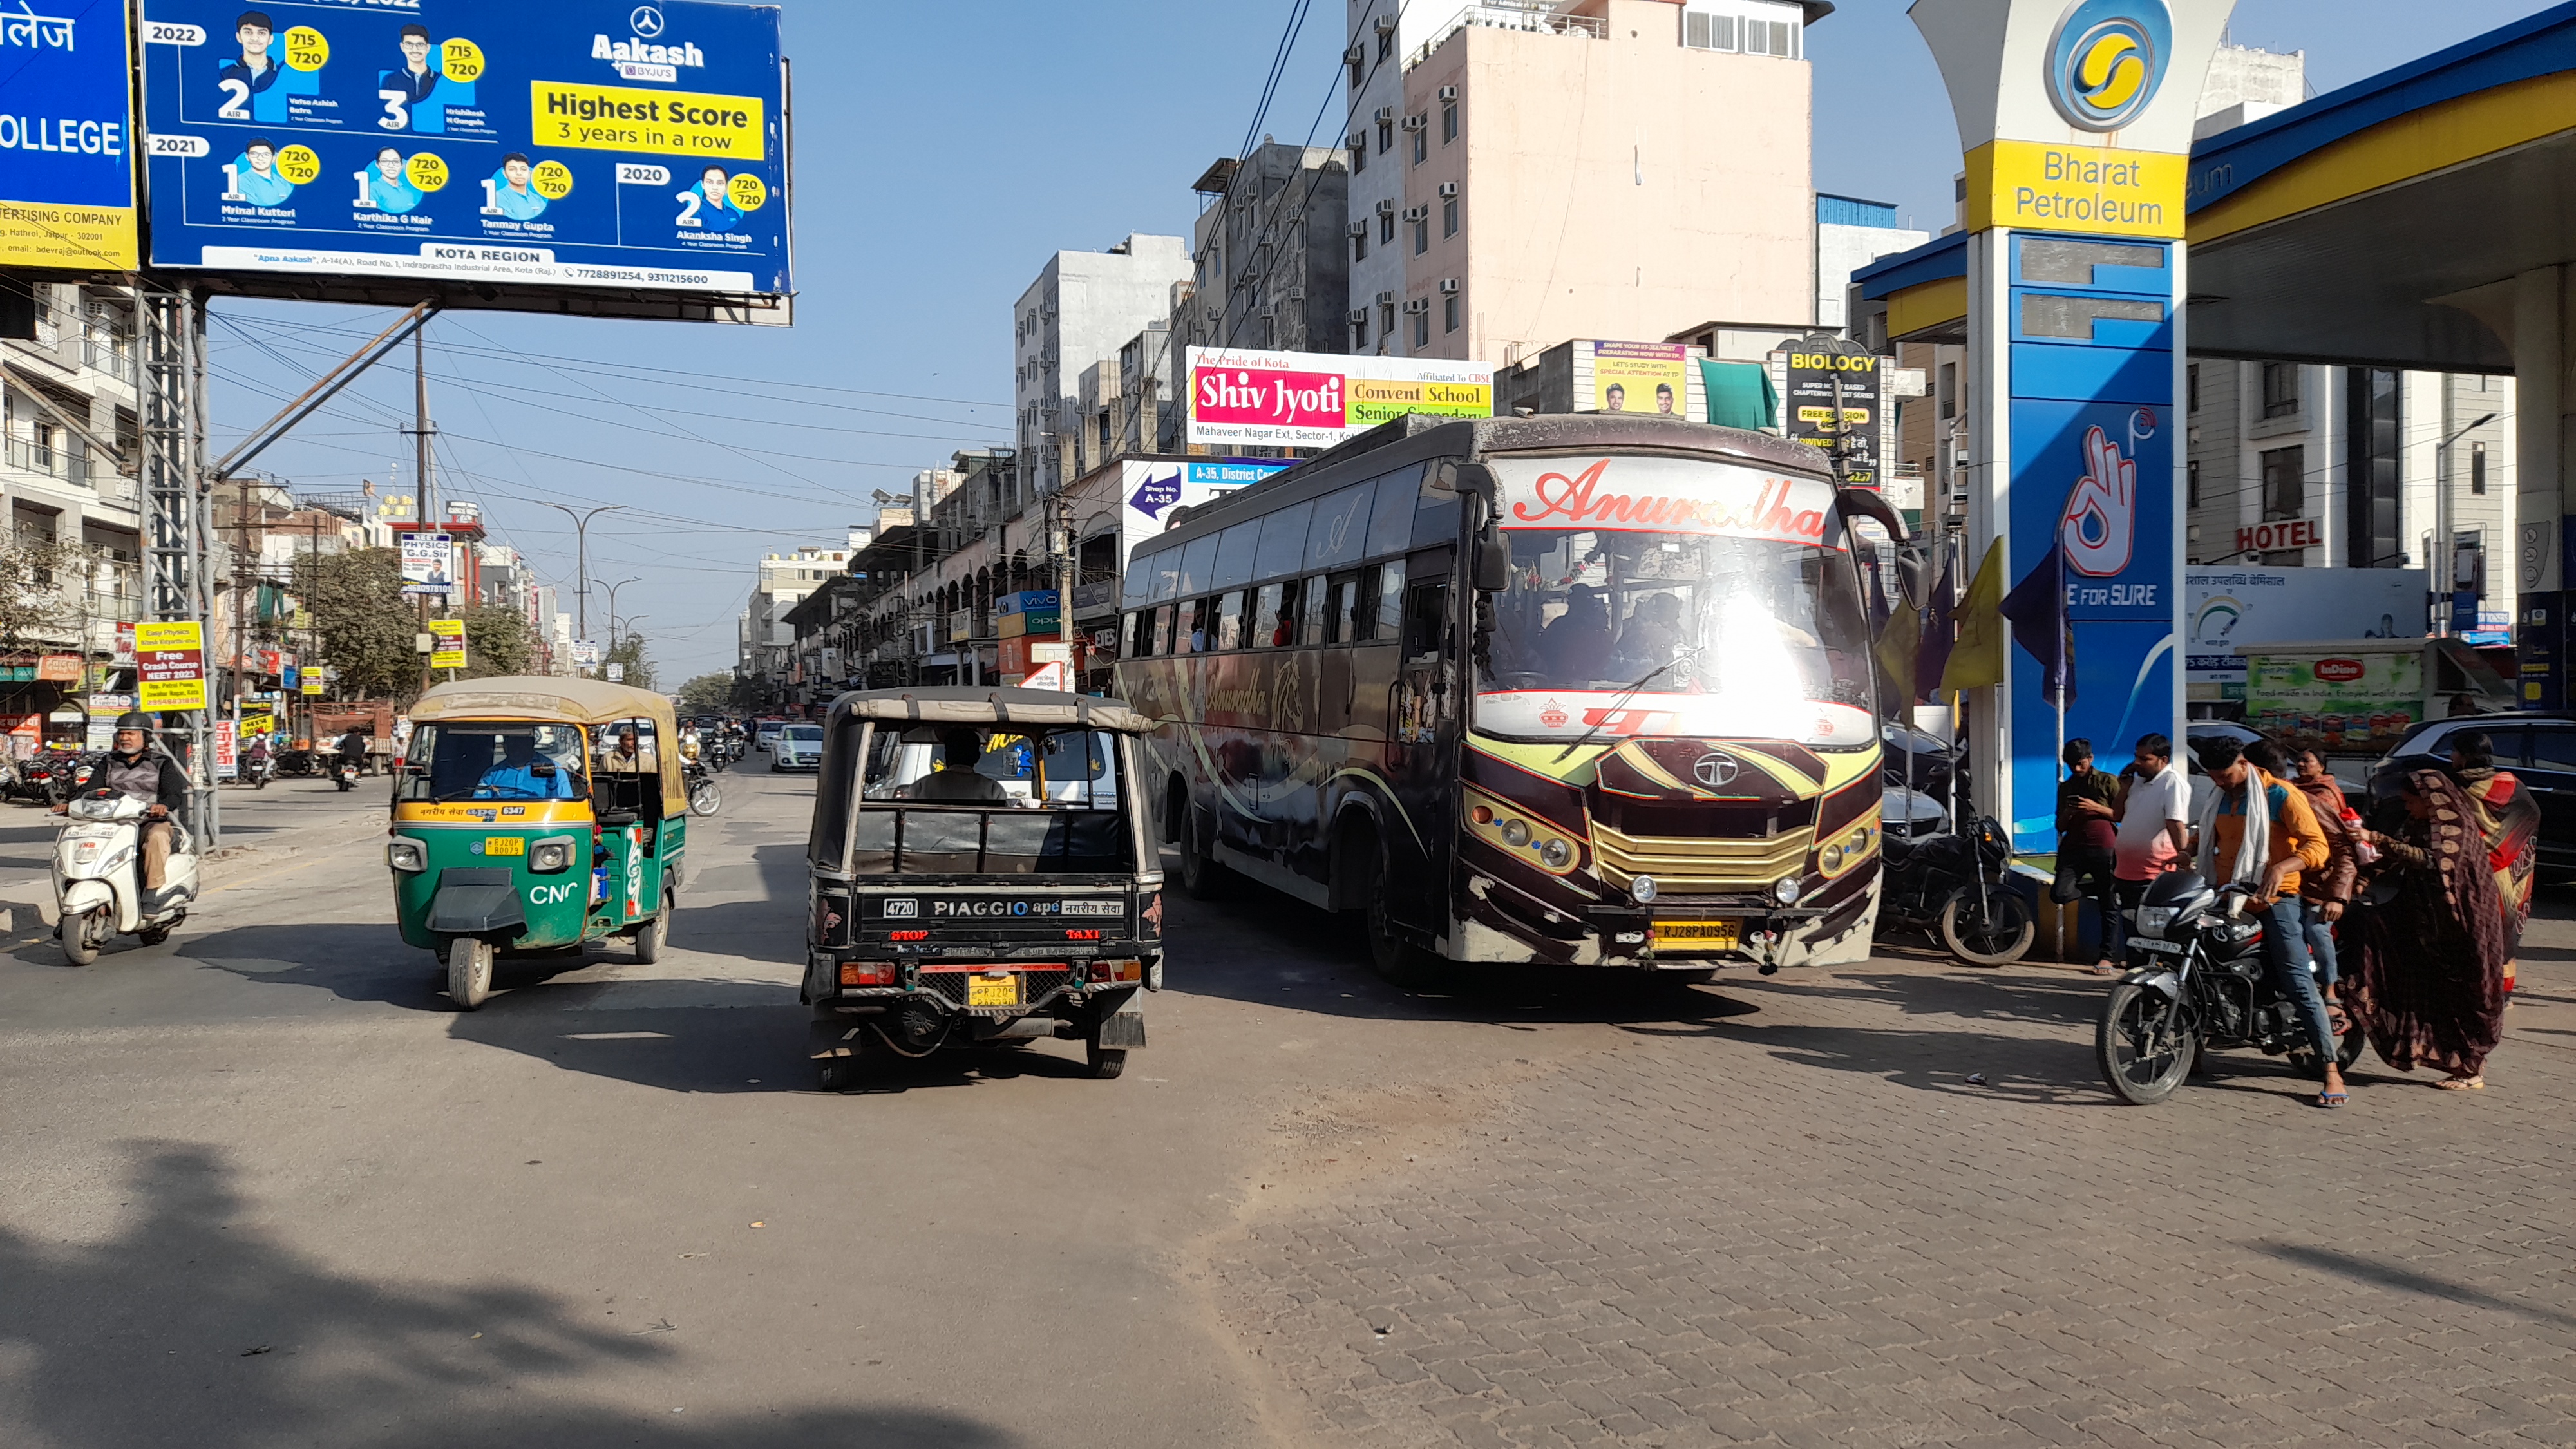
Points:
x=1723, y=597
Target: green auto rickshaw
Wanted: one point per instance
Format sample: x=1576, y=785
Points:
x=533, y=816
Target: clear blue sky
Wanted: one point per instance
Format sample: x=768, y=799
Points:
x=943, y=151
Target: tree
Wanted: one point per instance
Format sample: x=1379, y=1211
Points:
x=365, y=627
x=629, y=651
x=707, y=694
x=34, y=598
x=497, y=642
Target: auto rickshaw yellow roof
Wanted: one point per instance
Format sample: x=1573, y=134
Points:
x=992, y=705
x=543, y=699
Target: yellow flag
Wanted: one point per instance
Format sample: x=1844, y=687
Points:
x=1897, y=649
x=1978, y=660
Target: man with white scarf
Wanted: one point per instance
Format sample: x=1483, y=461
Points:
x=2266, y=848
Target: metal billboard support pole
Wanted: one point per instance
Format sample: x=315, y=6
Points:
x=176, y=504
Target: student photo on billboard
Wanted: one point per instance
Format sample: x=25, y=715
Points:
x=715, y=210
x=509, y=191
x=255, y=177
x=249, y=80
x=389, y=190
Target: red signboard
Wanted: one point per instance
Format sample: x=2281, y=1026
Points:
x=2340, y=671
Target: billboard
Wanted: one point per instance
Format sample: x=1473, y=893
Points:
x=428, y=565
x=66, y=137
x=1314, y=400
x=2354, y=703
x=447, y=647
x=581, y=144
x=1640, y=377
x=1152, y=490
x=171, y=662
x=1831, y=389
x=2227, y=607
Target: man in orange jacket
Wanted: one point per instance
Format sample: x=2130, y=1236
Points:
x=2267, y=851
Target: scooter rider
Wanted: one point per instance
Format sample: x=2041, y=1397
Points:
x=137, y=770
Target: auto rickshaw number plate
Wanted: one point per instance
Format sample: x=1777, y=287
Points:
x=1723, y=935
x=504, y=845
x=993, y=990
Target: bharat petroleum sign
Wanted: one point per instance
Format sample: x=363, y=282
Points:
x=2107, y=61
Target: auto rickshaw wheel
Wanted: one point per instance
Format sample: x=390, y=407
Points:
x=649, y=939
x=469, y=973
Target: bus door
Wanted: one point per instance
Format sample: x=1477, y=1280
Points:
x=1423, y=710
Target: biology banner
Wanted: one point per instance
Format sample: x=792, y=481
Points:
x=1314, y=400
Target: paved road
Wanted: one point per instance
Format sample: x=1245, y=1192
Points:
x=261, y=1187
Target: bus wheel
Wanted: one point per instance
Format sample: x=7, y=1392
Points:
x=1398, y=962
x=1202, y=879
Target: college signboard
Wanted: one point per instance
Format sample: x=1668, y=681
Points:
x=579, y=143
x=170, y=661
x=1314, y=400
x=66, y=136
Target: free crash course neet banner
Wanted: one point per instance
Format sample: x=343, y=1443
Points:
x=567, y=143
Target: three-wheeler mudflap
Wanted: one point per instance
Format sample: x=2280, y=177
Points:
x=476, y=901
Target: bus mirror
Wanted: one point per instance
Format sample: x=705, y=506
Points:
x=1914, y=577
x=1493, y=560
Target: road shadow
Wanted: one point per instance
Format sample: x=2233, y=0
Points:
x=2399, y=1278
x=194, y=1324
x=1944, y=988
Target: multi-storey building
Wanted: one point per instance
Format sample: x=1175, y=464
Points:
x=68, y=455
x=1555, y=176
x=768, y=641
x=1083, y=307
x=1270, y=269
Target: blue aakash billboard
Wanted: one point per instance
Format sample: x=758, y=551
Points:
x=571, y=143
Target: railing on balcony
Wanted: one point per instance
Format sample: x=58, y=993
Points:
x=1536, y=16
x=114, y=357
x=51, y=461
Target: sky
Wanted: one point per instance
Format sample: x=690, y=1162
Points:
x=944, y=151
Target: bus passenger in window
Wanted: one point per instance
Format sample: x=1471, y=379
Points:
x=1575, y=644
x=1654, y=634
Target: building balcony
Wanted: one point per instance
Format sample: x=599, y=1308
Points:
x=60, y=464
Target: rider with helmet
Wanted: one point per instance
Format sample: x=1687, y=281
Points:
x=138, y=769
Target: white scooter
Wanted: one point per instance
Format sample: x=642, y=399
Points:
x=98, y=877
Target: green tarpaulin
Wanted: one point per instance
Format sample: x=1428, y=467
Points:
x=1739, y=394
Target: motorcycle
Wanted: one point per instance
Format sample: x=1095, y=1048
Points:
x=98, y=877
x=705, y=798
x=259, y=770
x=2197, y=983
x=344, y=773
x=44, y=779
x=1957, y=888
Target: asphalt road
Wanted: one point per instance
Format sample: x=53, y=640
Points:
x=260, y=1186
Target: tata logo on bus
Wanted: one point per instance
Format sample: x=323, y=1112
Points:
x=1275, y=399
x=2108, y=60
x=2340, y=671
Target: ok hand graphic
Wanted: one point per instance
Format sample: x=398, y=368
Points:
x=2101, y=525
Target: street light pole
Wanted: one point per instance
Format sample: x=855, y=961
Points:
x=2445, y=561
x=612, y=607
x=581, y=555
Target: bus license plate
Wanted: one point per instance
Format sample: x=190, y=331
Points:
x=992, y=991
x=1722, y=935
x=504, y=845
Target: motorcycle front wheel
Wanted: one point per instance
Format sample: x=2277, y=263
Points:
x=705, y=798
x=2144, y=1049
x=1997, y=932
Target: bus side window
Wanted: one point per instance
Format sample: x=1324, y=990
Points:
x=1163, y=630
x=1426, y=619
x=1140, y=634
x=1310, y=613
x=1383, y=608
x=1197, y=612
x=1343, y=620
x=1266, y=616
x=1229, y=621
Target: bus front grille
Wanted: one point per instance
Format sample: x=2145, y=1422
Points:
x=1701, y=866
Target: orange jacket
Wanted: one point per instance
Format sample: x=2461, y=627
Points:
x=2295, y=831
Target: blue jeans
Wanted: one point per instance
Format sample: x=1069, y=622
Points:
x=2320, y=934
x=2285, y=956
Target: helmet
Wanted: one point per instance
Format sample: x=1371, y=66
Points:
x=134, y=719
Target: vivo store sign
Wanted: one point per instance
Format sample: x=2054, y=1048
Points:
x=1314, y=400
x=584, y=143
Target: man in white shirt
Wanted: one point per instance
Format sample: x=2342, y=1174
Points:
x=2154, y=822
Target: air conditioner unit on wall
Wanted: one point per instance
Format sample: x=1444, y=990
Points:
x=1449, y=284
x=1357, y=228
x=1385, y=115
x=1448, y=93
x=1448, y=188
x=1359, y=314
x=1385, y=206
x=1418, y=304
x=1417, y=213
x=1416, y=123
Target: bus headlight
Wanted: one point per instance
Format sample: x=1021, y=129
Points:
x=1557, y=854
x=1642, y=890
x=1516, y=834
x=1832, y=859
x=404, y=853
x=1787, y=891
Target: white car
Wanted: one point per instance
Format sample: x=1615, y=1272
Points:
x=796, y=747
x=764, y=731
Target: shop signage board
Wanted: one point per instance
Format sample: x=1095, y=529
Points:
x=2356, y=703
x=59, y=668
x=525, y=148
x=227, y=750
x=1834, y=396
x=170, y=661
x=1314, y=400
x=2228, y=607
x=1639, y=377
x=448, y=644
x=66, y=136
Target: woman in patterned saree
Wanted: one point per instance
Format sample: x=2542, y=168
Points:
x=2508, y=818
x=2429, y=986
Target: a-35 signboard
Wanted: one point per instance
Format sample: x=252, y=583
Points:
x=66, y=136
x=573, y=143
x=170, y=663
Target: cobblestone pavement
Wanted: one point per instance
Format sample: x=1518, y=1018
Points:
x=1800, y=1224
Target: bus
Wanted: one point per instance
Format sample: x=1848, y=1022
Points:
x=1591, y=689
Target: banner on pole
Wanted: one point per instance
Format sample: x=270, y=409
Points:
x=448, y=652
x=170, y=661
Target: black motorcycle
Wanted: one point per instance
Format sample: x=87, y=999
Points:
x=2197, y=983
x=344, y=773
x=1959, y=889
x=705, y=797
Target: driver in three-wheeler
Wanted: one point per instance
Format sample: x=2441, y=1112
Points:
x=533, y=816
x=982, y=872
